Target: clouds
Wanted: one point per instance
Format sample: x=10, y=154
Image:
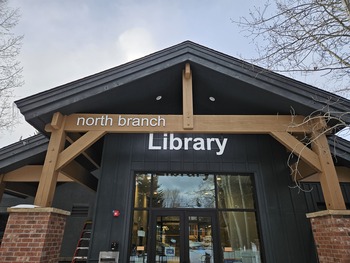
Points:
x=66, y=40
x=135, y=43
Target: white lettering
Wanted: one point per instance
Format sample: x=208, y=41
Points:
x=80, y=121
x=165, y=141
x=173, y=140
x=136, y=122
x=90, y=121
x=153, y=122
x=209, y=141
x=198, y=144
x=105, y=120
x=108, y=119
x=150, y=143
x=144, y=122
x=221, y=146
x=161, y=121
x=121, y=121
x=186, y=142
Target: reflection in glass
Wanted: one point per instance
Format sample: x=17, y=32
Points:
x=239, y=235
x=183, y=191
x=232, y=195
x=139, y=236
x=235, y=192
x=200, y=239
x=168, y=239
x=142, y=190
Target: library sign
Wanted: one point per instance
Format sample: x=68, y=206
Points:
x=150, y=124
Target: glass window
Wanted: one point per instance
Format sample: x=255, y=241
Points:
x=239, y=236
x=139, y=235
x=183, y=191
x=142, y=190
x=231, y=194
x=235, y=192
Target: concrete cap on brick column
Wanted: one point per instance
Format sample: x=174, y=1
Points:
x=36, y=209
x=328, y=212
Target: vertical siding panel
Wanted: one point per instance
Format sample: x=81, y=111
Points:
x=281, y=211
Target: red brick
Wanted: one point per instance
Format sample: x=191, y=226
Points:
x=32, y=237
x=332, y=238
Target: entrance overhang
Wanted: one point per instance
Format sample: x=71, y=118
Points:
x=285, y=129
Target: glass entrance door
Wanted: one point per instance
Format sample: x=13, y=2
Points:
x=175, y=217
x=182, y=236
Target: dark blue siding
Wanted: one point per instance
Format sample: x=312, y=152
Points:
x=285, y=232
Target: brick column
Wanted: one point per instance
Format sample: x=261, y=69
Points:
x=33, y=235
x=331, y=230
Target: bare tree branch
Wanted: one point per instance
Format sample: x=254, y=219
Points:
x=10, y=68
x=302, y=36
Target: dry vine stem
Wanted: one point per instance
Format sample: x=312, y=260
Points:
x=320, y=126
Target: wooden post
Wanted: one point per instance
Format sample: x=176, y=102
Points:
x=48, y=178
x=187, y=100
x=328, y=176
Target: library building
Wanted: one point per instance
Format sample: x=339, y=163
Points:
x=187, y=155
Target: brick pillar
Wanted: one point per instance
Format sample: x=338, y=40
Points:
x=33, y=235
x=331, y=230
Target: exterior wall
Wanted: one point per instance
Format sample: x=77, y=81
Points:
x=33, y=235
x=66, y=197
x=314, y=196
x=331, y=230
x=285, y=232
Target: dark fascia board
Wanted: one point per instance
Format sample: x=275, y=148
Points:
x=22, y=152
x=52, y=100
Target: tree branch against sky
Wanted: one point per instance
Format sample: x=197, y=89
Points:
x=10, y=69
x=305, y=36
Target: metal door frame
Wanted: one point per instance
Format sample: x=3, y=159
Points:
x=184, y=230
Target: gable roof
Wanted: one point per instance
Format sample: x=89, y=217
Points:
x=238, y=87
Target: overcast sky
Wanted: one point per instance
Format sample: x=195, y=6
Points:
x=65, y=40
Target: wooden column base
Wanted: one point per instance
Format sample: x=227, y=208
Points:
x=33, y=235
x=331, y=231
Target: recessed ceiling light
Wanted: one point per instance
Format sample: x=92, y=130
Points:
x=211, y=98
x=159, y=97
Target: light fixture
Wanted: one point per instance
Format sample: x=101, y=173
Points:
x=158, y=98
x=211, y=98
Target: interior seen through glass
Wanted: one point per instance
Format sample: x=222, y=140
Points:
x=180, y=236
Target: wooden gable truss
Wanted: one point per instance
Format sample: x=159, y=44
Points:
x=59, y=163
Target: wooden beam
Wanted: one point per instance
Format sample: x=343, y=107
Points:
x=79, y=174
x=187, y=98
x=328, y=175
x=57, y=120
x=343, y=174
x=73, y=172
x=298, y=148
x=302, y=170
x=88, y=153
x=30, y=173
x=187, y=72
x=78, y=147
x=24, y=189
x=48, y=178
x=231, y=124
